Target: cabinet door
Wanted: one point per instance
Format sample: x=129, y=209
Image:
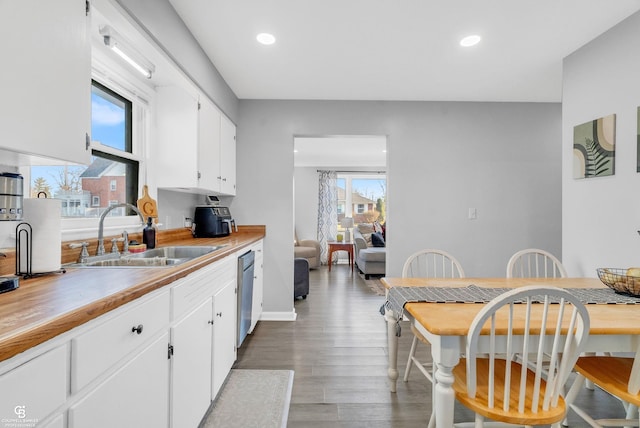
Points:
x=256, y=309
x=176, y=153
x=191, y=366
x=58, y=422
x=135, y=396
x=46, y=78
x=209, y=146
x=224, y=334
x=228, y=156
x=36, y=388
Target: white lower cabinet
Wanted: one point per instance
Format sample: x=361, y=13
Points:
x=36, y=388
x=158, y=361
x=191, y=340
x=224, y=334
x=117, y=335
x=134, y=396
x=203, y=338
x=256, y=308
x=57, y=422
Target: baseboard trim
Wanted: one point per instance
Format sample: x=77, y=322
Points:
x=278, y=316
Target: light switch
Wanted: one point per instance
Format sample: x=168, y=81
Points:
x=473, y=213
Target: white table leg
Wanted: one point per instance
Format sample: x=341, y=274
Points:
x=446, y=355
x=444, y=396
x=392, y=340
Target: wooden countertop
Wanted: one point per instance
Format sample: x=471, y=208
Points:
x=44, y=307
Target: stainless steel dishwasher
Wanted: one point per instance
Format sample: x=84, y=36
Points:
x=245, y=294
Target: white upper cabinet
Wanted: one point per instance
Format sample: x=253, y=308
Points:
x=227, y=156
x=46, y=79
x=196, y=144
x=209, y=145
x=176, y=151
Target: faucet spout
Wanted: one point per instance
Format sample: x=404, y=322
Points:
x=100, y=250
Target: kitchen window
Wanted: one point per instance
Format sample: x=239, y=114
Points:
x=112, y=176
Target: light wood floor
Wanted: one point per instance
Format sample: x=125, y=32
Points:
x=338, y=350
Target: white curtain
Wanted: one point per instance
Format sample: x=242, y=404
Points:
x=327, y=211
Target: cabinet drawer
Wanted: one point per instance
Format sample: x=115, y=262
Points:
x=112, y=338
x=198, y=286
x=36, y=388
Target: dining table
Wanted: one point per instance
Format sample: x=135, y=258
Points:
x=445, y=321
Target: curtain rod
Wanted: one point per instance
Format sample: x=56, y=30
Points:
x=359, y=172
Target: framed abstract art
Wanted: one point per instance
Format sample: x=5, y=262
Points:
x=594, y=145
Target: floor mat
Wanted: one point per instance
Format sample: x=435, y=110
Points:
x=253, y=399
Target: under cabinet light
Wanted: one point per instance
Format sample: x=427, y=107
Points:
x=125, y=51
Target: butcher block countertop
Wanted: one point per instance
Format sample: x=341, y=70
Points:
x=46, y=306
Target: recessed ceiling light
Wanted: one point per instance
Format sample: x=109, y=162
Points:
x=266, y=38
x=470, y=41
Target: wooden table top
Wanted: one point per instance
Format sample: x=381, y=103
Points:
x=46, y=306
x=454, y=319
x=340, y=244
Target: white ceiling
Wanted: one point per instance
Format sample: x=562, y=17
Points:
x=397, y=50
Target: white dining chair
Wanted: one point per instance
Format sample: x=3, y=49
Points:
x=497, y=386
x=428, y=263
x=617, y=375
x=535, y=263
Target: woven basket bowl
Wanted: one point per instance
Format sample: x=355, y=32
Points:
x=618, y=280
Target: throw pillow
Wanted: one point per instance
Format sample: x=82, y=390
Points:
x=377, y=240
x=365, y=228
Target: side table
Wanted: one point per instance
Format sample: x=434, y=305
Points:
x=340, y=246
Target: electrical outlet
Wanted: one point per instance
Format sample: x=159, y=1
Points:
x=473, y=213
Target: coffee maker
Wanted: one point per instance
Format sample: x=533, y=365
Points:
x=212, y=221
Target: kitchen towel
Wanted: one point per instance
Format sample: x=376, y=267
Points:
x=44, y=216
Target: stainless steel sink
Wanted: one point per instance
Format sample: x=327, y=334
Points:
x=157, y=257
x=177, y=252
x=132, y=262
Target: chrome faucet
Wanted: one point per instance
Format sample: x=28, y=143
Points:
x=100, y=250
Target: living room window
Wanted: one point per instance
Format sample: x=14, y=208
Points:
x=362, y=196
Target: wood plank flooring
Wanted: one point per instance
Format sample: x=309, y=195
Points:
x=338, y=350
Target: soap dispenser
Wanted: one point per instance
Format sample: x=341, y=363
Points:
x=149, y=235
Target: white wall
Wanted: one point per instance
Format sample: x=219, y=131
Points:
x=601, y=215
x=165, y=27
x=502, y=158
x=306, y=202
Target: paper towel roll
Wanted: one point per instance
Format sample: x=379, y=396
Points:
x=44, y=216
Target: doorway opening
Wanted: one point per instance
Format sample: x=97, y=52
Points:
x=359, y=163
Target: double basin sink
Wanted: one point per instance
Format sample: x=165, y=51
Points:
x=157, y=257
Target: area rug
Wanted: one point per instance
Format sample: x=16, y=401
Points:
x=374, y=285
x=253, y=399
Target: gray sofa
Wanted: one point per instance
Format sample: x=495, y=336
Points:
x=369, y=260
